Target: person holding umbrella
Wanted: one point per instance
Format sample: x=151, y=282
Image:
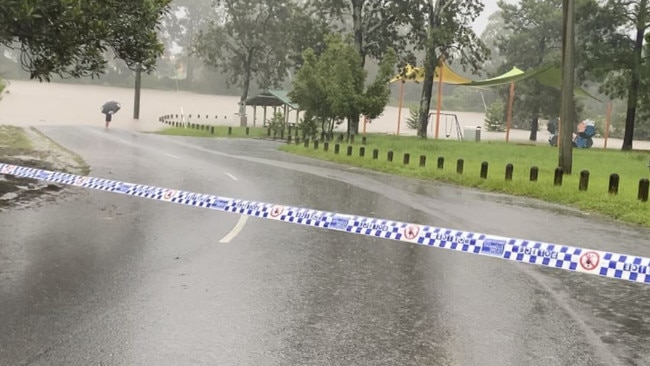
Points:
x=109, y=109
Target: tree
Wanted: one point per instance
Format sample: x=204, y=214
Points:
x=248, y=44
x=534, y=38
x=331, y=86
x=181, y=26
x=376, y=26
x=69, y=38
x=494, y=30
x=448, y=35
x=617, y=55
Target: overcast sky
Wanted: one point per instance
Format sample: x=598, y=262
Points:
x=490, y=7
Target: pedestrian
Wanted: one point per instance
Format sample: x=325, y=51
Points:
x=108, y=118
x=109, y=109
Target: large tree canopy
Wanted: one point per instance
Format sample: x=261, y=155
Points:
x=331, y=86
x=448, y=35
x=70, y=37
x=249, y=43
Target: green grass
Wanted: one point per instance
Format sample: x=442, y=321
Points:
x=219, y=131
x=630, y=166
x=13, y=141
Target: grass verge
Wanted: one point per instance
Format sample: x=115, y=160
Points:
x=13, y=141
x=624, y=206
x=219, y=131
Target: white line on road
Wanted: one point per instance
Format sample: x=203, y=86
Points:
x=236, y=230
x=172, y=156
x=231, y=176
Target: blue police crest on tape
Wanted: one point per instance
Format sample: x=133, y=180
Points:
x=493, y=247
x=594, y=262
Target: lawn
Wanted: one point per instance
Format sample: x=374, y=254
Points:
x=630, y=167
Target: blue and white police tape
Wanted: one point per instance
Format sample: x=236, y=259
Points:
x=596, y=262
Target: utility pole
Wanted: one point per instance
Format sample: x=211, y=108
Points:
x=136, y=99
x=565, y=140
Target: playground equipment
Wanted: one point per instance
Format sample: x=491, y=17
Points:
x=582, y=139
x=451, y=123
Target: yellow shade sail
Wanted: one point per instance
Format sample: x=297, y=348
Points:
x=416, y=74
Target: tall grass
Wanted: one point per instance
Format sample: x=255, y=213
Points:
x=630, y=166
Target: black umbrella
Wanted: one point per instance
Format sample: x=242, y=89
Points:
x=111, y=107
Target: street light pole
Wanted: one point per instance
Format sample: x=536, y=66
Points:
x=565, y=139
x=136, y=99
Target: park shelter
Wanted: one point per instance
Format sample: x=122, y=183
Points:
x=274, y=99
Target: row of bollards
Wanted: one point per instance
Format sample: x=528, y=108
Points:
x=197, y=126
x=583, y=184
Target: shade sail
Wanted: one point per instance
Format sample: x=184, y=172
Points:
x=416, y=74
x=547, y=75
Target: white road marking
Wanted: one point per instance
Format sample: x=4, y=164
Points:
x=235, y=230
x=172, y=156
x=231, y=176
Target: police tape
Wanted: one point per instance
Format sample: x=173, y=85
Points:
x=596, y=262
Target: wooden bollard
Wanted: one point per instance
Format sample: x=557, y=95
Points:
x=362, y=151
x=584, y=180
x=337, y=148
x=407, y=158
x=644, y=185
x=389, y=156
x=613, y=183
x=534, y=173
x=423, y=161
x=509, y=170
x=557, y=178
x=459, y=166
x=326, y=146
x=441, y=162
x=484, y=169
x=349, y=150
x=375, y=154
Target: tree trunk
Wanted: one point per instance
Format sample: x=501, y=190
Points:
x=534, y=125
x=633, y=91
x=245, y=87
x=357, y=28
x=430, y=63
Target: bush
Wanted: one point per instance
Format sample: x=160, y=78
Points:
x=308, y=126
x=413, y=121
x=277, y=123
x=495, y=120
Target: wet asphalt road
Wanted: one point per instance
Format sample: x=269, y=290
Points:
x=104, y=279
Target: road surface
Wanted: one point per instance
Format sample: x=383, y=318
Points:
x=105, y=279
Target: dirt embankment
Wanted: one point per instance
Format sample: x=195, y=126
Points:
x=29, y=147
